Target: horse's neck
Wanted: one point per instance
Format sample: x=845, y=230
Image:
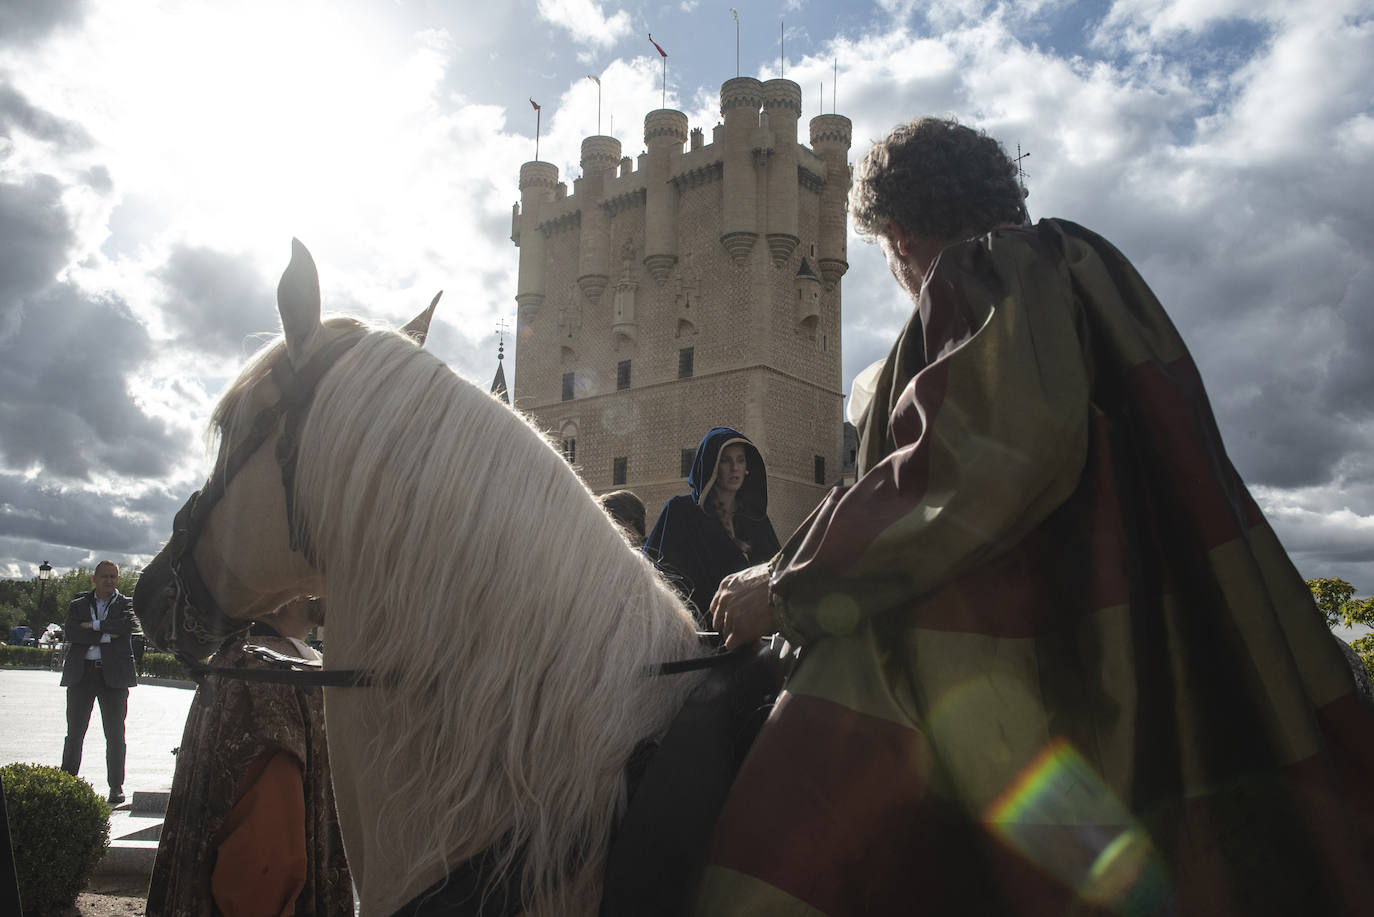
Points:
x=366, y=818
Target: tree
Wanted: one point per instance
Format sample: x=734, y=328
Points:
x=1364, y=648
x=11, y=616
x=23, y=596
x=1336, y=601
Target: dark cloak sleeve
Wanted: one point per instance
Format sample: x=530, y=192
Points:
x=694, y=552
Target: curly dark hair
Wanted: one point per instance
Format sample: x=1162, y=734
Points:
x=939, y=179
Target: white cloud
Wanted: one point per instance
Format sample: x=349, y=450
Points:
x=585, y=21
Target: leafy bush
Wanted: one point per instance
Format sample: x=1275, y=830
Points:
x=163, y=665
x=24, y=656
x=1364, y=648
x=60, y=828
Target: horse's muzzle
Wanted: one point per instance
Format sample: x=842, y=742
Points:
x=176, y=610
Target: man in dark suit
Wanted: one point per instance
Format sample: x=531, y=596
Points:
x=99, y=667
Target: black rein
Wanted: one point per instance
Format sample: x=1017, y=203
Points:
x=294, y=670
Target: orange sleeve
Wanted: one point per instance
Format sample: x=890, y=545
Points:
x=260, y=868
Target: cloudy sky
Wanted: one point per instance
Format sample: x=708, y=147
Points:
x=157, y=157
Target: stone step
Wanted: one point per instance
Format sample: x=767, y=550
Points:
x=128, y=858
x=149, y=804
x=134, y=833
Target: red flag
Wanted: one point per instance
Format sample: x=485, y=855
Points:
x=535, y=104
x=661, y=52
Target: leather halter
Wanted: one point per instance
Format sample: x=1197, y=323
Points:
x=192, y=607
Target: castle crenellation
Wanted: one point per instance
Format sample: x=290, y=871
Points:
x=696, y=285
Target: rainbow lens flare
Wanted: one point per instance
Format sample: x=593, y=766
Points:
x=1060, y=815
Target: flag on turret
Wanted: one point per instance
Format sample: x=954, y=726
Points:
x=535, y=104
x=656, y=45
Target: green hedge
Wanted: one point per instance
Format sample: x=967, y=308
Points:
x=155, y=665
x=163, y=665
x=24, y=656
x=60, y=829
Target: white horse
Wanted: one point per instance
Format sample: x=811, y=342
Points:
x=507, y=622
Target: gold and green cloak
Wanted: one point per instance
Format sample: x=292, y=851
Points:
x=1055, y=660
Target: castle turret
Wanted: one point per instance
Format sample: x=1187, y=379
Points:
x=740, y=100
x=830, y=138
x=600, y=157
x=538, y=186
x=665, y=131
x=782, y=104
x=665, y=313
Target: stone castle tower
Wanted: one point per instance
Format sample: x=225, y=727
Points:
x=695, y=288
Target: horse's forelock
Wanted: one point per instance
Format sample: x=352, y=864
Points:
x=228, y=412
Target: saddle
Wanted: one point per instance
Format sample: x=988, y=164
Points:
x=659, y=849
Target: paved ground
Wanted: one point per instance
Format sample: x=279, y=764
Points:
x=33, y=712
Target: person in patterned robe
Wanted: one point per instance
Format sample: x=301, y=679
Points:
x=1053, y=658
x=251, y=827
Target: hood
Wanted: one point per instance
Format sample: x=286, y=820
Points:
x=753, y=494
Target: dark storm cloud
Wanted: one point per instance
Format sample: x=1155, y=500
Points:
x=1350, y=369
x=37, y=235
x=23, y=21
x=18, y=114
x=1279, y=434
x=72, y=518
x=216, y=302
x=67, y=406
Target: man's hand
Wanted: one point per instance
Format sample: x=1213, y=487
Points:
x=740, y=609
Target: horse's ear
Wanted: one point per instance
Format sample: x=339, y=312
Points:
x=418, y=327
x=298, y=300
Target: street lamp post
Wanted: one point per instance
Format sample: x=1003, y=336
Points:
x=44, y=574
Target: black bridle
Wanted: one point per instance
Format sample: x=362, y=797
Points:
x=191, y=607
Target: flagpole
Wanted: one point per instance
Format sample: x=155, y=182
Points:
x=597, y=81
x=538, y=114
x=782, y=52
x=735, y=14
x=663, y=103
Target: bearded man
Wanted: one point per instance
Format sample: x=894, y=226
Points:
x=1053, y=658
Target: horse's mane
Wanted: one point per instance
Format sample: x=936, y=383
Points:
x=465, y=556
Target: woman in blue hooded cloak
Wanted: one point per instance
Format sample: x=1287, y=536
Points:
x=721, y=526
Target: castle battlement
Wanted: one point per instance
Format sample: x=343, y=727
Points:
x=649, y=312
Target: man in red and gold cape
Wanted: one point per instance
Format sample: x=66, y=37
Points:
x=1054, y=660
